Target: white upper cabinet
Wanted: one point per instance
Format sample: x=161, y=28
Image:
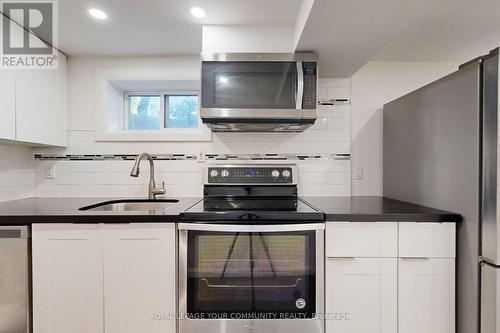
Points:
x=33, y=102
x=41, y=105
x=7, y=105
x=362, y=239
x=139, y=277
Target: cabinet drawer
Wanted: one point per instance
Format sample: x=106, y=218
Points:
x=432, y=240
x=361, y=239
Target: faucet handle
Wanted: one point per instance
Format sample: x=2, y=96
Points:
x=160, y=190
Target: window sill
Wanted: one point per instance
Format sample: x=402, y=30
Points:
x=199, y=134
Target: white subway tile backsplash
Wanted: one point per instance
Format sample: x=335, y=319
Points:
x=329, y=111
x=16, y=172
x=139, y=191
x=81, y=190
x=315, y=190
x=110, y=178
x=338, y=178
x=338, y=123
x=338, y=147
x=309, y=147
x=312, y=178
x=320, y=124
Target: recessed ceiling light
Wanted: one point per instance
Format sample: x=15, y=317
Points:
x=98, y=14
x=197, y=11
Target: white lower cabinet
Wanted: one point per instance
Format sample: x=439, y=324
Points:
x=426, y=295
x=67, y=279
x=361, y=295
x=388, y=278
x=104, y=278
x=139, y=278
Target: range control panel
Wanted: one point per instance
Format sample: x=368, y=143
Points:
x=250, y=175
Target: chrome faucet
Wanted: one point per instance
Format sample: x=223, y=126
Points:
x=153, y=190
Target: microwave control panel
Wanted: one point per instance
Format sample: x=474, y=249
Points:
x=310, y=75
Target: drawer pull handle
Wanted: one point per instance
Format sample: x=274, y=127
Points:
x=345, y=258
x=415, y=258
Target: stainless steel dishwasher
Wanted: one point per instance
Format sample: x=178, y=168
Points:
x=14, y=279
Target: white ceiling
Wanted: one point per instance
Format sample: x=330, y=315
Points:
x=456, y=30
x=158, y=27
x=345, y=33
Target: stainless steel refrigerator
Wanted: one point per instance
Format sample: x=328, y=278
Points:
x=440, y=150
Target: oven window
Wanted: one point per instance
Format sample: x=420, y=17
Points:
x=251, y=273
x=260, y=85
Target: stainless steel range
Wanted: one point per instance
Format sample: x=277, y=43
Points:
x=251, y=254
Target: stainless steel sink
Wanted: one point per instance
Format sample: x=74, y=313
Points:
x=132, y=205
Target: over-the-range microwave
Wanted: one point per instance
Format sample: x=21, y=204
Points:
x=259, y=92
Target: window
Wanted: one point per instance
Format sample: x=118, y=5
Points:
x=162, y=110
x=181, y=111
x=144, y=106
x=144, y=112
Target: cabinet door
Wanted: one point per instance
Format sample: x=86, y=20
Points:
x=67, y=279
x=40, y=106
x=139, y=278
x=426, y=295
x=361, y=294
x=7, y=105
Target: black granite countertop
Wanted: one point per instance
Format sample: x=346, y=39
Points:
x=66, y=210
x=367, y=209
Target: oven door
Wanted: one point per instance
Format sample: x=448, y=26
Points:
x=241, y=278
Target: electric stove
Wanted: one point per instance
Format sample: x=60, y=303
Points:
x=256, y=193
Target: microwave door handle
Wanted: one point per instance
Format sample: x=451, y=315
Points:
x=300, y=85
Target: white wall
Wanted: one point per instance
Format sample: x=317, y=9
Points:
x=248, y=38
x=326, y=176
x=375, y=84
x=16, y=172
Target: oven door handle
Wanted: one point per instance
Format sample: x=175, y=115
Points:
x=251, y=228
x=235, y=286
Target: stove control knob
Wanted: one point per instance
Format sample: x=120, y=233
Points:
x=214, y=173
x=224, y=173
x=275, y=173
x=286, y=173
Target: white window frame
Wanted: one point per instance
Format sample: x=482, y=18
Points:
x=106, y=78
x=163, y=108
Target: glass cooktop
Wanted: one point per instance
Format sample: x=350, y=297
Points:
x=256, y=204
x=252, y=210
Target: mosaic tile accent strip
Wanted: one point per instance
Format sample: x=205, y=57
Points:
x=209, y=157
